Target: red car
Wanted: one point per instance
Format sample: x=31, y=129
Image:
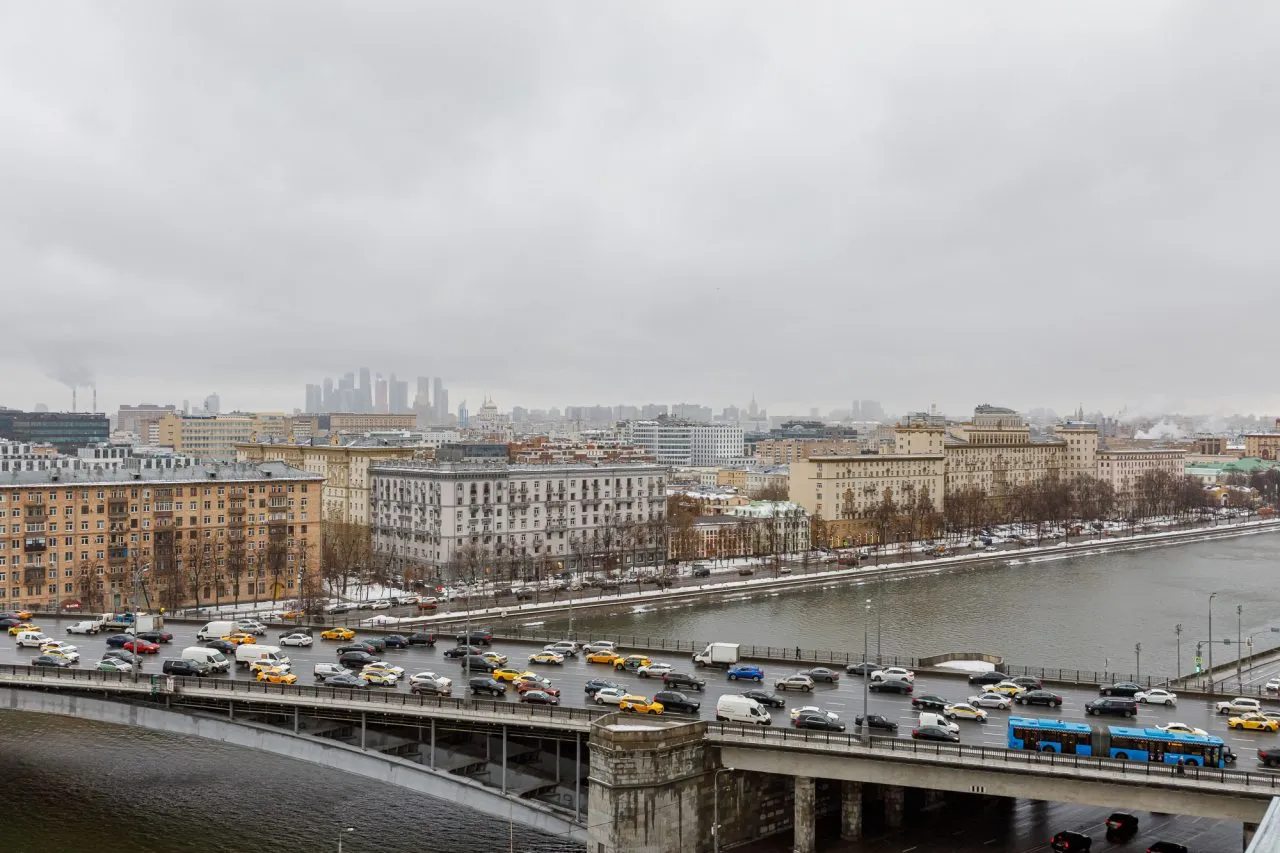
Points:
x=141, y=647
x=526, y=686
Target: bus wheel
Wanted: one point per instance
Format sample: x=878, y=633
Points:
x=1044, y=747
x=1122, y=756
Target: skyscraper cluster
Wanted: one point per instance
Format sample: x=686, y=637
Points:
x=365, y=392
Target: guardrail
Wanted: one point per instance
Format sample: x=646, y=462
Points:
x=371, y=697
x=1241, y=779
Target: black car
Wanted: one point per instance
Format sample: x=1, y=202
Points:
x=863, y=668
x=1167, y=847
x=891, y=685
x=1121, y=825
x=462, y=651
x=486, y=685
x=225, y=646
x=1112, y=705
x=1120, y=688
x=422, y=639
x=764, y=697
x=475, y=663
x=356, y=646
x=1039, y=697
x=992, y=677
x=1072, y=841
x=935, y=733
x=1027, y=682
x=476, y=638
x=9, y=622
x=929, y=702
x=124, y=655
x=674, y=700
x=356, y=659
x=1269, y=757
x=702, y=571
x=877, y=721
x=596, y=684
x=346, y=679
x=683, y=679
x=395, y=641
x=379, y=644
x=822, y=673
x=156, y=636
x=51, y=660
x=539, y=697
x=175, y=666
x=820, y=722
x=116, y=641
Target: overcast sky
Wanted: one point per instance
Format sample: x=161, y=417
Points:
x=624, y=202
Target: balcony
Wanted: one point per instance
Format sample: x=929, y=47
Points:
x=34, y=546
x=114, y=554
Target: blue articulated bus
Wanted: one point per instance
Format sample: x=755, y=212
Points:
x=1120, y=742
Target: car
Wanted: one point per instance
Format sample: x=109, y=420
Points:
x=935, y=733
x=632, y=663
x=640, y=705
x=384, y=667
x=683, y=679
x=600, y=646
x=764, y=697
x=1239, y=705
x=991, y=676
x=87, y=626
x=597, y=684
x=611, y=695
x=1121, y=824
x=892, y=685
x=1120, y=688
x=337, y=634
x=506, y=674
x=603, y=656
x=654, y=670
x=296, y=639
x=380, y=677
x=564, y=648
x=266, y=663
x=821, y=722
x=15, y=630
x=121, y=654
x=797, y=681
x=486, y=685
x=877, y=721
x=277, y=675
x=523, y=685
x=890, y=672
x=1182, y=729
x=325, y=671
x=156, y=636
x=114, y=665
x=481, y=637
x=381, y=604
x=1117, y=705
x=341, y=607
x=964, y=711
x=1157, y=696
x=252, y=626
x=538, y=697
x=929, y=702
x=378, y=644
x=422, y=638
x=495, y=658
x=116, y=641
x=822, y=674
x=1039, y=697
x=461, y=651
x=702, y=571
x=1273, y=684
x=240, y=638
x=991, y=700
x=536, y=680
x=292, y=614
x=356, y=659
x=1068, y=840
x=60, y=647
x=746, y=671
x=1008, y=688
x=55, y=661
x=357, y=646
x=347, y=679
x=222, y=646
x=863, y=668
x=1027, y=682
x=546, y=657
x=430, y=678
x=396, y=641
x=674, y=700
x=1253, y=722
x=142, y=647
x=812, y=709
x=1167, y=847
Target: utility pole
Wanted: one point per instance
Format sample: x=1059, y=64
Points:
x=1239, y=647
x=1177, y=631
x=1137, y=662
x=866, y=676
x=1211, y=597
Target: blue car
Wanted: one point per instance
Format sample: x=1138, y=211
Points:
x=747, y=671
x=116, y=641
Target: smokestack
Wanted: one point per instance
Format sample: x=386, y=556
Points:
x=95, y=398
x=73, y=398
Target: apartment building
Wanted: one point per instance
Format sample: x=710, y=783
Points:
x=1262, y=445
x=206, y=533
x=433, y=513
x=211, y=437
x=784, y=451
x=846, y=490
x=1124, y=468
x=672, y=441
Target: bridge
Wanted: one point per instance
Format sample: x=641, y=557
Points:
x=641, y=784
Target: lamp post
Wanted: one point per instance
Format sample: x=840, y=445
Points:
x=1212, y=595
x=866, y=676
x=1177, y=631
x=1137, y=662
x=342, y=832
x=1239, y=647
x=715, y=815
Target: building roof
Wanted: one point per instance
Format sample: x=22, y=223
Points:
x=201, y=473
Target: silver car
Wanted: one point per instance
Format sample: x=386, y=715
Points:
x=794, y=682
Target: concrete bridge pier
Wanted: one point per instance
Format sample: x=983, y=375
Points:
x=895, y=799
x=1249, y=830
x=851, y=811
x=805, y=801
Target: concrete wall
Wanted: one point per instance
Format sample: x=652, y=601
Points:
x=322, y=751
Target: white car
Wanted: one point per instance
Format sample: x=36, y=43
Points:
x=814, y=709
x=384, y=604
x=654, y=670
x=252, y=626
x=1157, y=696
x=1273, y=684
x=430, y=678
x=58, y=647
x=600, y=646
x=266, y=663
x=88, y=626
x=397, y=671
x=611, y=695
x=1182, y=729
x=1239, y=705
x=114, y=664
x=296, y=639
x=564, y=648
x=991, y=700
x=895, y=672
x=410, y=599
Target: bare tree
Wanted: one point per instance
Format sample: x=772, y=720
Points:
x=771, y=492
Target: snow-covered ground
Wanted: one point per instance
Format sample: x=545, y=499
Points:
x=968, y=665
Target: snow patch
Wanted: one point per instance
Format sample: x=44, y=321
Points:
x=968, y=665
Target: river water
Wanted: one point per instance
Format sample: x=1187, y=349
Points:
x=75, y=785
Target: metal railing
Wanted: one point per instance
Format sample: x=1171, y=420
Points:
x=1265, y=783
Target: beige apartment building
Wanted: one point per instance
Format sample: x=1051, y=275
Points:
x=205, y=436
x=1124, y=468
x=165, y=537
x=369, y=421
x=784, y=451
x=1262, y=445
x=846, y=490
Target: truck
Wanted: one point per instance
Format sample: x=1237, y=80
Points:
x=117, y=621
x=717, y=654
x=148, y=622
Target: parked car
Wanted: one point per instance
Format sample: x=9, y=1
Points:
x=222, y=646
x=535, y=683
x=683, y=679
x=476, y=638
x=538, y=697
x=654, y=670
x=546, y=657
x=114, y=665
x=396, y=641
x=597, y=684
x=1239, y=705
x=964, y=711
x=137, y=645
x=462, y=651
x=55, y=661
x=357, y=646
x=746, y=671
x=1027, y=682
x=325, y=671
x=347, y=679
x=765, y=698
x=877, y=721
x=356, y=659
x=937, y=733
x=121, y=654
x=822, y=674
x=632, y=663
x=116, y=641
x=564, y=648
x=87, y=626
x=155, y=636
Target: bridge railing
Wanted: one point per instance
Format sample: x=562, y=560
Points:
x=373, y=697
x=996, y=756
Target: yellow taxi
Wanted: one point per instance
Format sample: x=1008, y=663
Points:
x=292, y=614
x=494, y=657
x=640, y=705
x=631, y=662
x=510, y=674
x=1006, y=688
x=379, y=676
x=1254, y=722
x=964, y=711
x=387, y=669
x=22, y=615
x=241, y=639
x=546, y=657
x=337, y=634
x=15, y=630
x=277, y=675
x=256, y=666
x=603, y=656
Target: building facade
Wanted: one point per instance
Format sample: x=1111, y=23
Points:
x=212, y=437
x=64, y=430
x=846, y=491
x=135, y=419
x=157, y=537
x=1262, y=445
x=440, y=515
x=1123, y=469
x=784, y=451
x=672, y=441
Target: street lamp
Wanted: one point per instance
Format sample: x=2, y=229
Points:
x=1177, y=631
x=1212, y=595
x=866, y=676
x=1239, y=647
x=715, y=817
x=342, y=832
x=1137, y=662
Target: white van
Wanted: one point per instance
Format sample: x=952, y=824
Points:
x=929, y=718
x=740, y=709
x=86, y=626
x=214, y=630
x=33, y=639
x=203, y=654
x=249, y=652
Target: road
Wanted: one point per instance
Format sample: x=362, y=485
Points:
x=845, y=697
